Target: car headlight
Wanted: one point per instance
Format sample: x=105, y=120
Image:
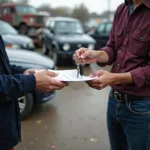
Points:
x=31, y=20
x=12, y=46
x=91, y=46
x=66, y=47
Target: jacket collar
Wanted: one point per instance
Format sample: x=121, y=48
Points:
x=145, y=2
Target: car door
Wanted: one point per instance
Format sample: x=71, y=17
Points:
x=7, y=15
x=101, y=35
x=49, y=33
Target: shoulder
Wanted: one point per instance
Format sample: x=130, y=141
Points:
x=122, y=7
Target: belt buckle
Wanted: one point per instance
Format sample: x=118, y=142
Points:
x=117, y=96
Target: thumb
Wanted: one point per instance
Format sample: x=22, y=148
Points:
x=86, y=54
x=51, y=74
x=97, y=73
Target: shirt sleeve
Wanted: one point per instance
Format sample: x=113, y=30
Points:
x=16, y=86
x=110, y=46
x=141, y=75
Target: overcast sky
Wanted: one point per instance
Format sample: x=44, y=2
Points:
x=93, y=5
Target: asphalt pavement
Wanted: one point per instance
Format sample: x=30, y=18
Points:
x=74, y=120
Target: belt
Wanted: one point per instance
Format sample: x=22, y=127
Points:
x=122, y=97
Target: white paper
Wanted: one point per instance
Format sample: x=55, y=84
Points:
x=70, y=76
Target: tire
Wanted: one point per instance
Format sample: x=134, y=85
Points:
x=23, y=29
x=26, y=104
x=53, y=55
x=45, y=50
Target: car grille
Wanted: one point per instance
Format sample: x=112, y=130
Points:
x=40, y=19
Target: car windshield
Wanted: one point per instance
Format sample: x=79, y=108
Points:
x=5, y=28
x=26, y=9
x=68, y=27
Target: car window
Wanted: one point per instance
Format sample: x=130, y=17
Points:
x=69, y=27
x=5, y=11
x=26, y=9
x=108, y=28
x=8, y=10
x=101, y=29
x=11, y=10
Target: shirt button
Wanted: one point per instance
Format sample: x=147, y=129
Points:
x=141, y=38
x=118, y=65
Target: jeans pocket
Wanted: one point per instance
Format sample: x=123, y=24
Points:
x=139, y=107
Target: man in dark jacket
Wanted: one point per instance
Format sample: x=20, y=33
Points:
x=14, y=83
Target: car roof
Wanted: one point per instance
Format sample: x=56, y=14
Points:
x=13, y=4
x=63, y=19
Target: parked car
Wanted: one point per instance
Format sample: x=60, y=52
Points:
x=31, y=60
x=101, y=34
x=14, y=40
x=62, y=36
x=22, y=16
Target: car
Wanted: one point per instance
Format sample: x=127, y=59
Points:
x=22, y=16
x=29, y=59
x=13, y=39
x=62, y=36
x=101, y=34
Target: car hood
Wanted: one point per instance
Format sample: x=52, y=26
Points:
x=74, y=38
x=16, y=39
x=29, y=58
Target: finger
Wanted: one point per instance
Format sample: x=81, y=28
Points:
x=97, y=73
x=31, y=71
x=76, y=59
x=53, y=87
x=88, y=60
x=95, y=81
x=51, y=74
x=57, y=83
x=86, y=54
x=80, y=51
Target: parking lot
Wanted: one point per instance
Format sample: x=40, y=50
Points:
x=74, y=120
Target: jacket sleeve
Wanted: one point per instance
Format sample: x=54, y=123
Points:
x=141, y=75
x=15, y=86
x=17, y=69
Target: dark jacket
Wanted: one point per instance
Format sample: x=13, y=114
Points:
x=13, y=84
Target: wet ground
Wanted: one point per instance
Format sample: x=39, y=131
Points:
x=74, y=120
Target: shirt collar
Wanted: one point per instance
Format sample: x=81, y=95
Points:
x=145, y=2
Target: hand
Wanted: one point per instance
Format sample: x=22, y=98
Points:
x=30, y=71
x=45, y=82
x=85, y=56
x=104, y=79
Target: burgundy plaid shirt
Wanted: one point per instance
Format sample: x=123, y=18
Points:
x=129, y=47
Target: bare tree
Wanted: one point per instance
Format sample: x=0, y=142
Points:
x=81, y=12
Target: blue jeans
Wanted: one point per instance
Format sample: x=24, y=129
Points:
x=129, y=124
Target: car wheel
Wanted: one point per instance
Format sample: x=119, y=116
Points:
x=53, y=55
x=23, y=29
x=26, y=105
x=45, y=50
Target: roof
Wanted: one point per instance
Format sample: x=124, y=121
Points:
x=13, y=4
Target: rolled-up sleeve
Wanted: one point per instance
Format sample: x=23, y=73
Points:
x=110, y=46
x=141, y=75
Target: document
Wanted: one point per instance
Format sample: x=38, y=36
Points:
x=70, y=76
